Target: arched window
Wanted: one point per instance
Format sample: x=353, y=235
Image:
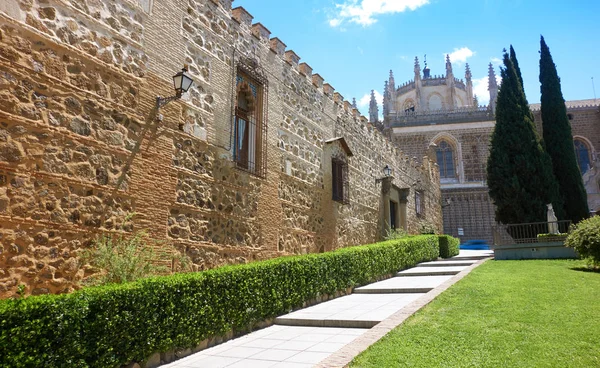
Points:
x=445, y=160
x=435, y=102
x=583, y=155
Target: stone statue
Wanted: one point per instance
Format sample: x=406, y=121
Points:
x=552, y=220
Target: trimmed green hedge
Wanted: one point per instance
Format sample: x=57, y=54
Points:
x=112, y=325
x=448, y=246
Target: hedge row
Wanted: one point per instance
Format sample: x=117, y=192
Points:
x=449, y=246
x=112, y=325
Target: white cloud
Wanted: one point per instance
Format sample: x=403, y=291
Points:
x=496, y=61
x=364, y=12
x=460, y=56
x=364, y=101
x=480, y=88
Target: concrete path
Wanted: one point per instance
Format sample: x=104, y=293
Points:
x=332, y=333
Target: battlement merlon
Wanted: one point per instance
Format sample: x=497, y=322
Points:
x=277, y=46
x=317, y=80
x=328, y=89
x=305, y=69
x=292, y=58
x=338, y=98
x=242, y=16
x=261, y=32
x=347, y=106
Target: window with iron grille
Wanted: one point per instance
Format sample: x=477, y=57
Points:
x=445, y=160
x=339, y=180
x=419, y=203
x=249, y=133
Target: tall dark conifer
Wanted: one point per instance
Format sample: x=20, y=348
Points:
x=519, y=171
x=559, y=139
x=513, y=58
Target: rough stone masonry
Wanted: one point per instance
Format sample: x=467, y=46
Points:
x=78, y=85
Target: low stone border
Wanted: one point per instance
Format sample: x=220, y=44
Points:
x=344, y=356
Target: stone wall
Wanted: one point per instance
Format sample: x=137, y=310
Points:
x=79, y=80
x=466, y=204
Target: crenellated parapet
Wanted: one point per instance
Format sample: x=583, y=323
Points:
x=441, y=117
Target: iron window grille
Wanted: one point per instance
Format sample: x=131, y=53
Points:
x=340, y=183
x=249, y=133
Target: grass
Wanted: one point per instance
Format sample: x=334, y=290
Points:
x=503, y=314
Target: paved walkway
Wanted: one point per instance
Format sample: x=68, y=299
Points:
x=332, y=333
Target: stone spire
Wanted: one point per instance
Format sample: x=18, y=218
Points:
x=492, y=87
x=417, y=69
x=449, y=72
x=373, y=109
x=450, y=85
x=469, y=83
x=418, y=84
x=392, y=92
x=386, y=98
x=354, y=103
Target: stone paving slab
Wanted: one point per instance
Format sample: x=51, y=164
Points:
x=447, y=263
x=406, y=284
x=465, y=254
x=431, y=271
x=355, y=311
x=344, y=356
x=275, y=346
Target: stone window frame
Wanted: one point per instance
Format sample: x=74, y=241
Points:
x=444, y=147
x=581, y=146
x=419, y=203
x=408, y=106
x=340, y=182
x=437, y=94
x=250, y=118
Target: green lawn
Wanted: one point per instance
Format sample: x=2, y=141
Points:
x=503, y=314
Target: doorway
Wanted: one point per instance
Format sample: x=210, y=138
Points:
x=393, y=215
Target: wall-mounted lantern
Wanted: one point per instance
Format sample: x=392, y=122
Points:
x=387, y=172
x=182, y=81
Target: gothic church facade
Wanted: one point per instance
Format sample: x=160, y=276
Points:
x=440, y=117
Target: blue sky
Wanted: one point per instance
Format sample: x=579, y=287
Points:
x=354, y=43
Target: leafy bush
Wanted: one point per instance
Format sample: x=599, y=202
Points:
x=122, y=258
x=427, y=228
x=548, y=237
x=449, y=246
x=585, y=238
x=396, y=234
x=111, y=325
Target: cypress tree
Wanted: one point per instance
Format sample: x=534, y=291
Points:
x=519, y=171
x=559, y=139
x=513, y=58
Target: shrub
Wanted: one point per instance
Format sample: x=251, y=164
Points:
x=551, y=237
x=585, y=238
x=121, y=258
x=449, y=246
x=427, y=228
x=396, y=234
x=111, y=325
